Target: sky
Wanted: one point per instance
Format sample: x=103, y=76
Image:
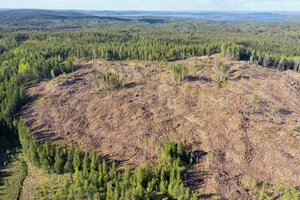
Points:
x=187, y=5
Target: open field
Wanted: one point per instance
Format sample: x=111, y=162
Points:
x=248, y=129
x=35, y=178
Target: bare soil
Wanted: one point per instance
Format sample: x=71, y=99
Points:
x=250, y=128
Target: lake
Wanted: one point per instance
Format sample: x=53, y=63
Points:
x=224, y=16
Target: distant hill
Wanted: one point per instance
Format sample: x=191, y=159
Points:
x=30, y=19
x=25, y=14
x=39, y=14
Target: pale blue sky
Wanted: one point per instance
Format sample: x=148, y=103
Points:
x=233, y=5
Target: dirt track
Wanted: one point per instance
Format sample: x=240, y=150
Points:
x=248, y=129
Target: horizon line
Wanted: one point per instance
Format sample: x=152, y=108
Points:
x=134, y=10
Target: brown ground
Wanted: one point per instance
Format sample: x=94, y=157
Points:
x=249, y=128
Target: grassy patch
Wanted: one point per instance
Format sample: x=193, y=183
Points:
x=40, y=100
x=197, y=68
x=35, y=178
x=11, y=178
x=265, y=190
x=254, y=97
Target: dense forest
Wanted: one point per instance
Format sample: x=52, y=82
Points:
x=42, y=46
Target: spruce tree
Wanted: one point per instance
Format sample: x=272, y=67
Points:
x=69, y=163
x=59, y=160
x=93, y=159
x=77, y=159
x=85, y=165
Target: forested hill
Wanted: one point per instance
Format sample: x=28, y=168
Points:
x=30, y=19
x=25, y=14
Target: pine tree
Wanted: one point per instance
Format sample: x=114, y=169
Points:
x=113, y=173
x=69, y=163
x=59, y=160
x=76, y=176
x=116, y=192
x=194, y=196
x=93, y=159
x=52, y=74
x=97, y=196
x=85, y=165
x=33, y=153
x=109, y=193
x=77, y=159
x=100, y=175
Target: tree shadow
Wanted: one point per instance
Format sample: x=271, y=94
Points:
x=71, y=82
x=27, y=103
x=193, y=78
x=35, y=129
x=44, y=136
x=285, y=111
x=3, y=175
x=9, y=143
x=239, y=78
x=207, y=196
x=118, y=162
x=233, y=71
x=199, y=153
x=30, y=122
x=195, y=177
x=130, y=85
x=199, y=78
